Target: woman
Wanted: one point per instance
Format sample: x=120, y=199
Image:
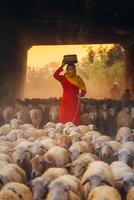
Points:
x=73, y=88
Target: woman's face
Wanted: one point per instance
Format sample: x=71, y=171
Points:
x=71, y=70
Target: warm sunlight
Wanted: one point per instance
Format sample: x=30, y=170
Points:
x=39, y=56
x=97, y=65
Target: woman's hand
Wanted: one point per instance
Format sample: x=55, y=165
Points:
x=63, y=64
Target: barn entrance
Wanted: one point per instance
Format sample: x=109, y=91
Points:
x=100, y=66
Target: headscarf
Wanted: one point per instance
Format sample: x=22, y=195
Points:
x=73, y=78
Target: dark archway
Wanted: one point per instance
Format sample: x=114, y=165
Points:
x=28, y=23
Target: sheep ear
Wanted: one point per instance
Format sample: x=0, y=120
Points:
x=1, y=182
x=29, y=184
x=68, y=166
x=43, y=148
x=87, y=180
x=103, y=179
x=12, y=149
x=50, y=162
x=73, y=189
x=115, y=153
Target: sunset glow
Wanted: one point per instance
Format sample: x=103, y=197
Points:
x=39, y=56
x=43, y=60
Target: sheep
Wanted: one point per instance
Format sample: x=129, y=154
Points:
x=5, y=149
x=8, y=114
x=97, y=173
x=60, y=187
x=123, y=135
x=59, y=126
x=37, y=148
x=26, y=126
x=51, y=132
x=15, y=134
x=67, y=195
x=7, y=143
x=12, y=173
x=53, y=113
x=47, y=143
x=4, y=159
x=58, y=156
x=36, y=117
x=75, y=136
x=98, y=141
x=109, y=151
x=120, y=169
x=5, y=129
x=126, y=153
x=30, y=132
x=94, y=135
x=130, y=195
x=84, y=118
x=39, y=186
x=70, y=127
x=124, y=118
x=123, y=175
x=79, y=166
x=15, y=123
x=79, y=147
x=38, y=166
x=22, y=156
x=15, y=191
x=22, y=153
x=64, y=141
x=128, y=182
x=84, y=129
x=104, y=193
x=49, y=125
x=55, y=157
x=23, y=115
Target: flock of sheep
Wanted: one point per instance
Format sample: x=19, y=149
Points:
x=63, y=161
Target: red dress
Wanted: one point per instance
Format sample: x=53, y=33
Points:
x=70, y=104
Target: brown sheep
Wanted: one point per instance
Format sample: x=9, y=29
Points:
x=36, y=117
x=124, y=134
x=40, y=185
x=38, y=166
x=15, y=191
x=130, y=195
x=64, y=141
x=55, y=157
x=104, y=193
x=124, y=118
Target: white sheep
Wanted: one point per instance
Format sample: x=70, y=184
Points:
x=40, y=184
x=79, y=147
x=12, y=173
x=98, y=173
x=60, y=187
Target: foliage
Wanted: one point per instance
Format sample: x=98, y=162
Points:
x=103, y=70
